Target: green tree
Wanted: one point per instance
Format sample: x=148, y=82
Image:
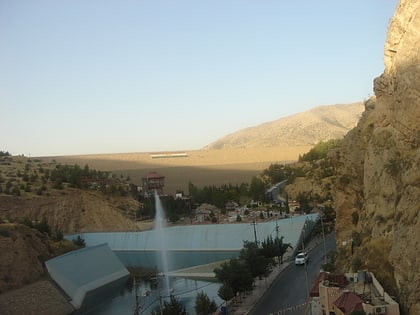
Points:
x=257, y=189
x=226, y=292
x=203, y=304
x=173, y=307
x=253, y=256
x=236, y=274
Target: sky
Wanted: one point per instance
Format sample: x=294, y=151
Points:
x=119, y=76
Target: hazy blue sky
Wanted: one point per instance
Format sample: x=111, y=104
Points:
x=103, y=76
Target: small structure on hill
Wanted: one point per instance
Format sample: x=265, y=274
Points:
x=153, y=182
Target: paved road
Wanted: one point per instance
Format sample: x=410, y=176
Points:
x=289, y=289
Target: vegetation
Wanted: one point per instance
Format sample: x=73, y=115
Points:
x=329, y=266
x=226, y=292
x=203, y=304
x=78, y=241
x=319, y=151
x=174, y=208
x=20, y=175
x=173, y=307
x=238, y=274
x=274, y=248
x=218, y=196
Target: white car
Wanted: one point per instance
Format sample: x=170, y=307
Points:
x=301, y=258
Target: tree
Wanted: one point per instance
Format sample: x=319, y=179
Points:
x=226, y=292
x=257, y=189
x=281, y=247
x=236, y=274
x=173, y=307
x=203, y=304
x=253, y=256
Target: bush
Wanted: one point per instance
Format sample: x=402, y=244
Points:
x=79, y=241
x=4, y=232
x=203, y=304
x=319, y=151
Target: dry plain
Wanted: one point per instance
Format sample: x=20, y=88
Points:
x=200, y=167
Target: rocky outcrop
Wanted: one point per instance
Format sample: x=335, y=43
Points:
x=377, y=195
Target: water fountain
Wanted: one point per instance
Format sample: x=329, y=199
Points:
x=160, y=232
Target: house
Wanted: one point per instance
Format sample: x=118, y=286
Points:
x=342, y=294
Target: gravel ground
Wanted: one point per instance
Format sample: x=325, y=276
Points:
x=39, y=298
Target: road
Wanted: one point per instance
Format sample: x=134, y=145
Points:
x=289, y=291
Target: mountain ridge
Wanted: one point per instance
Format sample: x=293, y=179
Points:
x=320, y=123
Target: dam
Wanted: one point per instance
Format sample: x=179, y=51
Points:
x=188, y=247
x=194, y=245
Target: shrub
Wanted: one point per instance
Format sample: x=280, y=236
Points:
x=79, y=241
x=355, y=217
x=356, y=264
x=4, y=232
x=344, y=180
x=203, y=304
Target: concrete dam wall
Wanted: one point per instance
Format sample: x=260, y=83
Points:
x=194, y=245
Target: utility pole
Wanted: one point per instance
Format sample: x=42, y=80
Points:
x=306, y=272
x=158, y=290
x=137, y=305
x=323, y=239
x=255, y=232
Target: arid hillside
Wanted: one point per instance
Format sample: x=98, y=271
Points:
x=321, y=123
x=35, y=190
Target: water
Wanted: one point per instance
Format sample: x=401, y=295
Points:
x=185, y=291
x=159, y=222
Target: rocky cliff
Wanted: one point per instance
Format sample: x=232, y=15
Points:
x=377, y=195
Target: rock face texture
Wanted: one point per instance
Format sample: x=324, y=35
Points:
x=378, y=171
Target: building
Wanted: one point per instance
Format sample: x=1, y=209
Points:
x=153, y=182
x=342, y=294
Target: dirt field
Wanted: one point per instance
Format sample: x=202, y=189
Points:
x=200, y=167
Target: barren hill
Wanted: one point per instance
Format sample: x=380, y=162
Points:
x=303, y=129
